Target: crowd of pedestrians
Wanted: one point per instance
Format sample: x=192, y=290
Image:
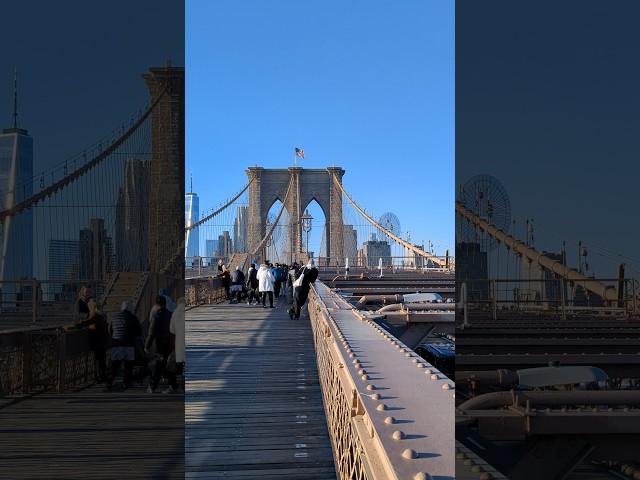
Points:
x=137, y=357
x=268, y=282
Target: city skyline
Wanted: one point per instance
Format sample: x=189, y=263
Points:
x=340, y=92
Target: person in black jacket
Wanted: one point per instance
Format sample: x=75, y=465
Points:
x=300, y=293
x=99, y=340
x=159, y=343
x=253, y=284
x=237, y=284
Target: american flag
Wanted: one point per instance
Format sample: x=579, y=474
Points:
x=299, y=152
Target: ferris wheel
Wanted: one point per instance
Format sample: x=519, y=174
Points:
x=485, y=196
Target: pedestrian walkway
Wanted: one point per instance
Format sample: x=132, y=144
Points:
x=253, y=407
x=91, y=434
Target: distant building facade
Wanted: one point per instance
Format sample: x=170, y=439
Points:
x=241, y=229
x=350, y=243
x=96, y=252
x=132, y=218
x=63, y=267
x=373, y=250
x=16, y=184
x=472, y=269
x=191, y=216
x=225, y=245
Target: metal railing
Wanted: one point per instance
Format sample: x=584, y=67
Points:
x=200, y=291
x=366, y=374
x=50, y=359
x=500, y=297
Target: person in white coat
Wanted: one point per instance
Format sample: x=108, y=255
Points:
x=266, y=282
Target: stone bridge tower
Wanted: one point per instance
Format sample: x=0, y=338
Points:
x=269, y=185
x=166, y=193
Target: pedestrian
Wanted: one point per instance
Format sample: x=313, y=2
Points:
x=220, y=265
x=82, y=304
x=304, y=278
x=278, y=276
x=96, y=325
x=237, y=284
x=125, y=329
x=171, y=305
x=265, y=284
x=176, y=328
x=159, y=345
x=252, y=285
x=226, y=281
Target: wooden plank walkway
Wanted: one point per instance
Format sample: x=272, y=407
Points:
x=253, y=406
x=91, y=434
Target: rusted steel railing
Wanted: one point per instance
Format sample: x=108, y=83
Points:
x=44, y=359
x=203, y=290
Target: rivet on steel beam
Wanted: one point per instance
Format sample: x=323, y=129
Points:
x=365, y=377
x=476, y=469
x=435, y=376
x=422, y=476
x=389, y=420
x=382, y=407
x=362, y=371
x=371, y=387
x=419, y=365
x=416, y=360
x=486, y=476
x=460, y=456
x=407, y=354
x=398, y=435
x=356, y=362
x=375, y=396
x=428, y=371
x=352, y=355
x=447, y=386
x=409, y=454
x=468, y=461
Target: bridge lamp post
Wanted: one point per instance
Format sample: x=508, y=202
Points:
x=268, y=243
x=306, y=225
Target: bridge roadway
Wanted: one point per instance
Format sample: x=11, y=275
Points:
x=253, y=407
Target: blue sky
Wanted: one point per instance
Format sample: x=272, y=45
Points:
x=368, y=86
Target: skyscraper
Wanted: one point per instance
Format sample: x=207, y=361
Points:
x=350, y=243
x=96, y=251
x=16, y=177
x=191, y=216
x=132, y=218
x=240, y=229
x=63, y=258
x=225, y=245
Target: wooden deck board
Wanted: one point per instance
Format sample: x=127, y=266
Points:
x=91, y=434
x=253, y=406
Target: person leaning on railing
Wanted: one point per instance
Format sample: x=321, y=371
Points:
x=99, y=338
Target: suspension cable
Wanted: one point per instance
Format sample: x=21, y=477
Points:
x=413, y=248
x=211, y=215
x=73, y=176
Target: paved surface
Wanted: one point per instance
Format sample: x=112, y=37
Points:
x=90, y=434
x=253, y=407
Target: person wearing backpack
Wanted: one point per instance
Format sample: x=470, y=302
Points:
x=304, y=278
x=159, y=343
x=124, y=328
